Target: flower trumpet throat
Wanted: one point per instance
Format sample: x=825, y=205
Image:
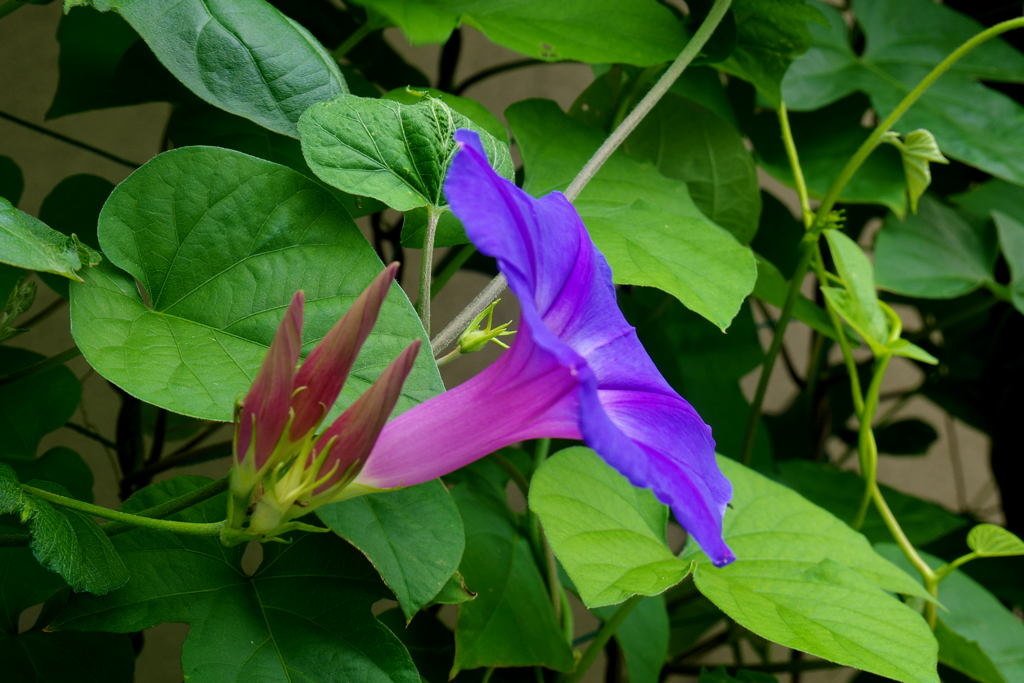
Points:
x=282, y=468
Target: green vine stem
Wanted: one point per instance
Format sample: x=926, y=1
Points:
x=754, y=416
x=844, y=343
x=172, y=506
x=354, y=39
x=866, y=447
x=427, y=266
x=876, y=136
x=928, y=575
x=601, y=639
x=794, y=163
x=829, y=201
x=622, y=131
x=210, y=529
x=455, y=328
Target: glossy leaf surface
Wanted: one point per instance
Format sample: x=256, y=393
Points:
x=840, y=492
x=499, y=565
x=687, y=142
x=26, y=242
x=218, y=278
x=32, y=407
x=596, y=31
x=989, y=540
x=244, y=57
x=971, y=122
x=804, y=579
x=646, y=225
x=305, y=612
x=73, y=208
x=64, y=540
x=609, y=535
x=396, y=153
x=977, y=634
x=413, y=537
x=935, y=254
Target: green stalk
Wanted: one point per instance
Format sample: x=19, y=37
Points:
x=622, y=131
x=931, y=579
x=486, y=296
x=794, y=164
x=875, y=138
x=844, y=343
x=211, y=529
x=601, y=639
x=866, y=447
x=353, y=40
x=807, y=251
x=170, y=507
x=427, y=266
x=754, y=417
x=42, y=366
x=829, y=201
x=947, y=569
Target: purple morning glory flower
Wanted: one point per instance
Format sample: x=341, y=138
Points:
x=575, y=370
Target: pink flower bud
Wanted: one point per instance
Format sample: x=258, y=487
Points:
x=352, y=436
x=266, y=406
x=323, y=374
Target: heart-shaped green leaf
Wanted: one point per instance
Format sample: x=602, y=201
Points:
x=805, y=579
x=26, y=242
x=32, y=407
x=977, y=634
x=499, y=565
x=935, y=254
x=989, y=540
x=303, y=615
x=397, y=153
x=596, y=31
x=609, y=535
x=412, y=536
x=246, y=58
x=220, y=241
x=64, y=540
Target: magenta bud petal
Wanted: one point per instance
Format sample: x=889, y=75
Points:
x=356, y=431
x=323, y=373
x=269, y=399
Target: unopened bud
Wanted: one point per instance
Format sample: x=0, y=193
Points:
x=475, y=338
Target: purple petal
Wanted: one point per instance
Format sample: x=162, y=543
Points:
x=326, y=368
x=627, y=411
x=355, y=431
x=269, y=399
x=525, y=394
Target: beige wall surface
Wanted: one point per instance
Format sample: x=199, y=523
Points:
x=28, y=79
